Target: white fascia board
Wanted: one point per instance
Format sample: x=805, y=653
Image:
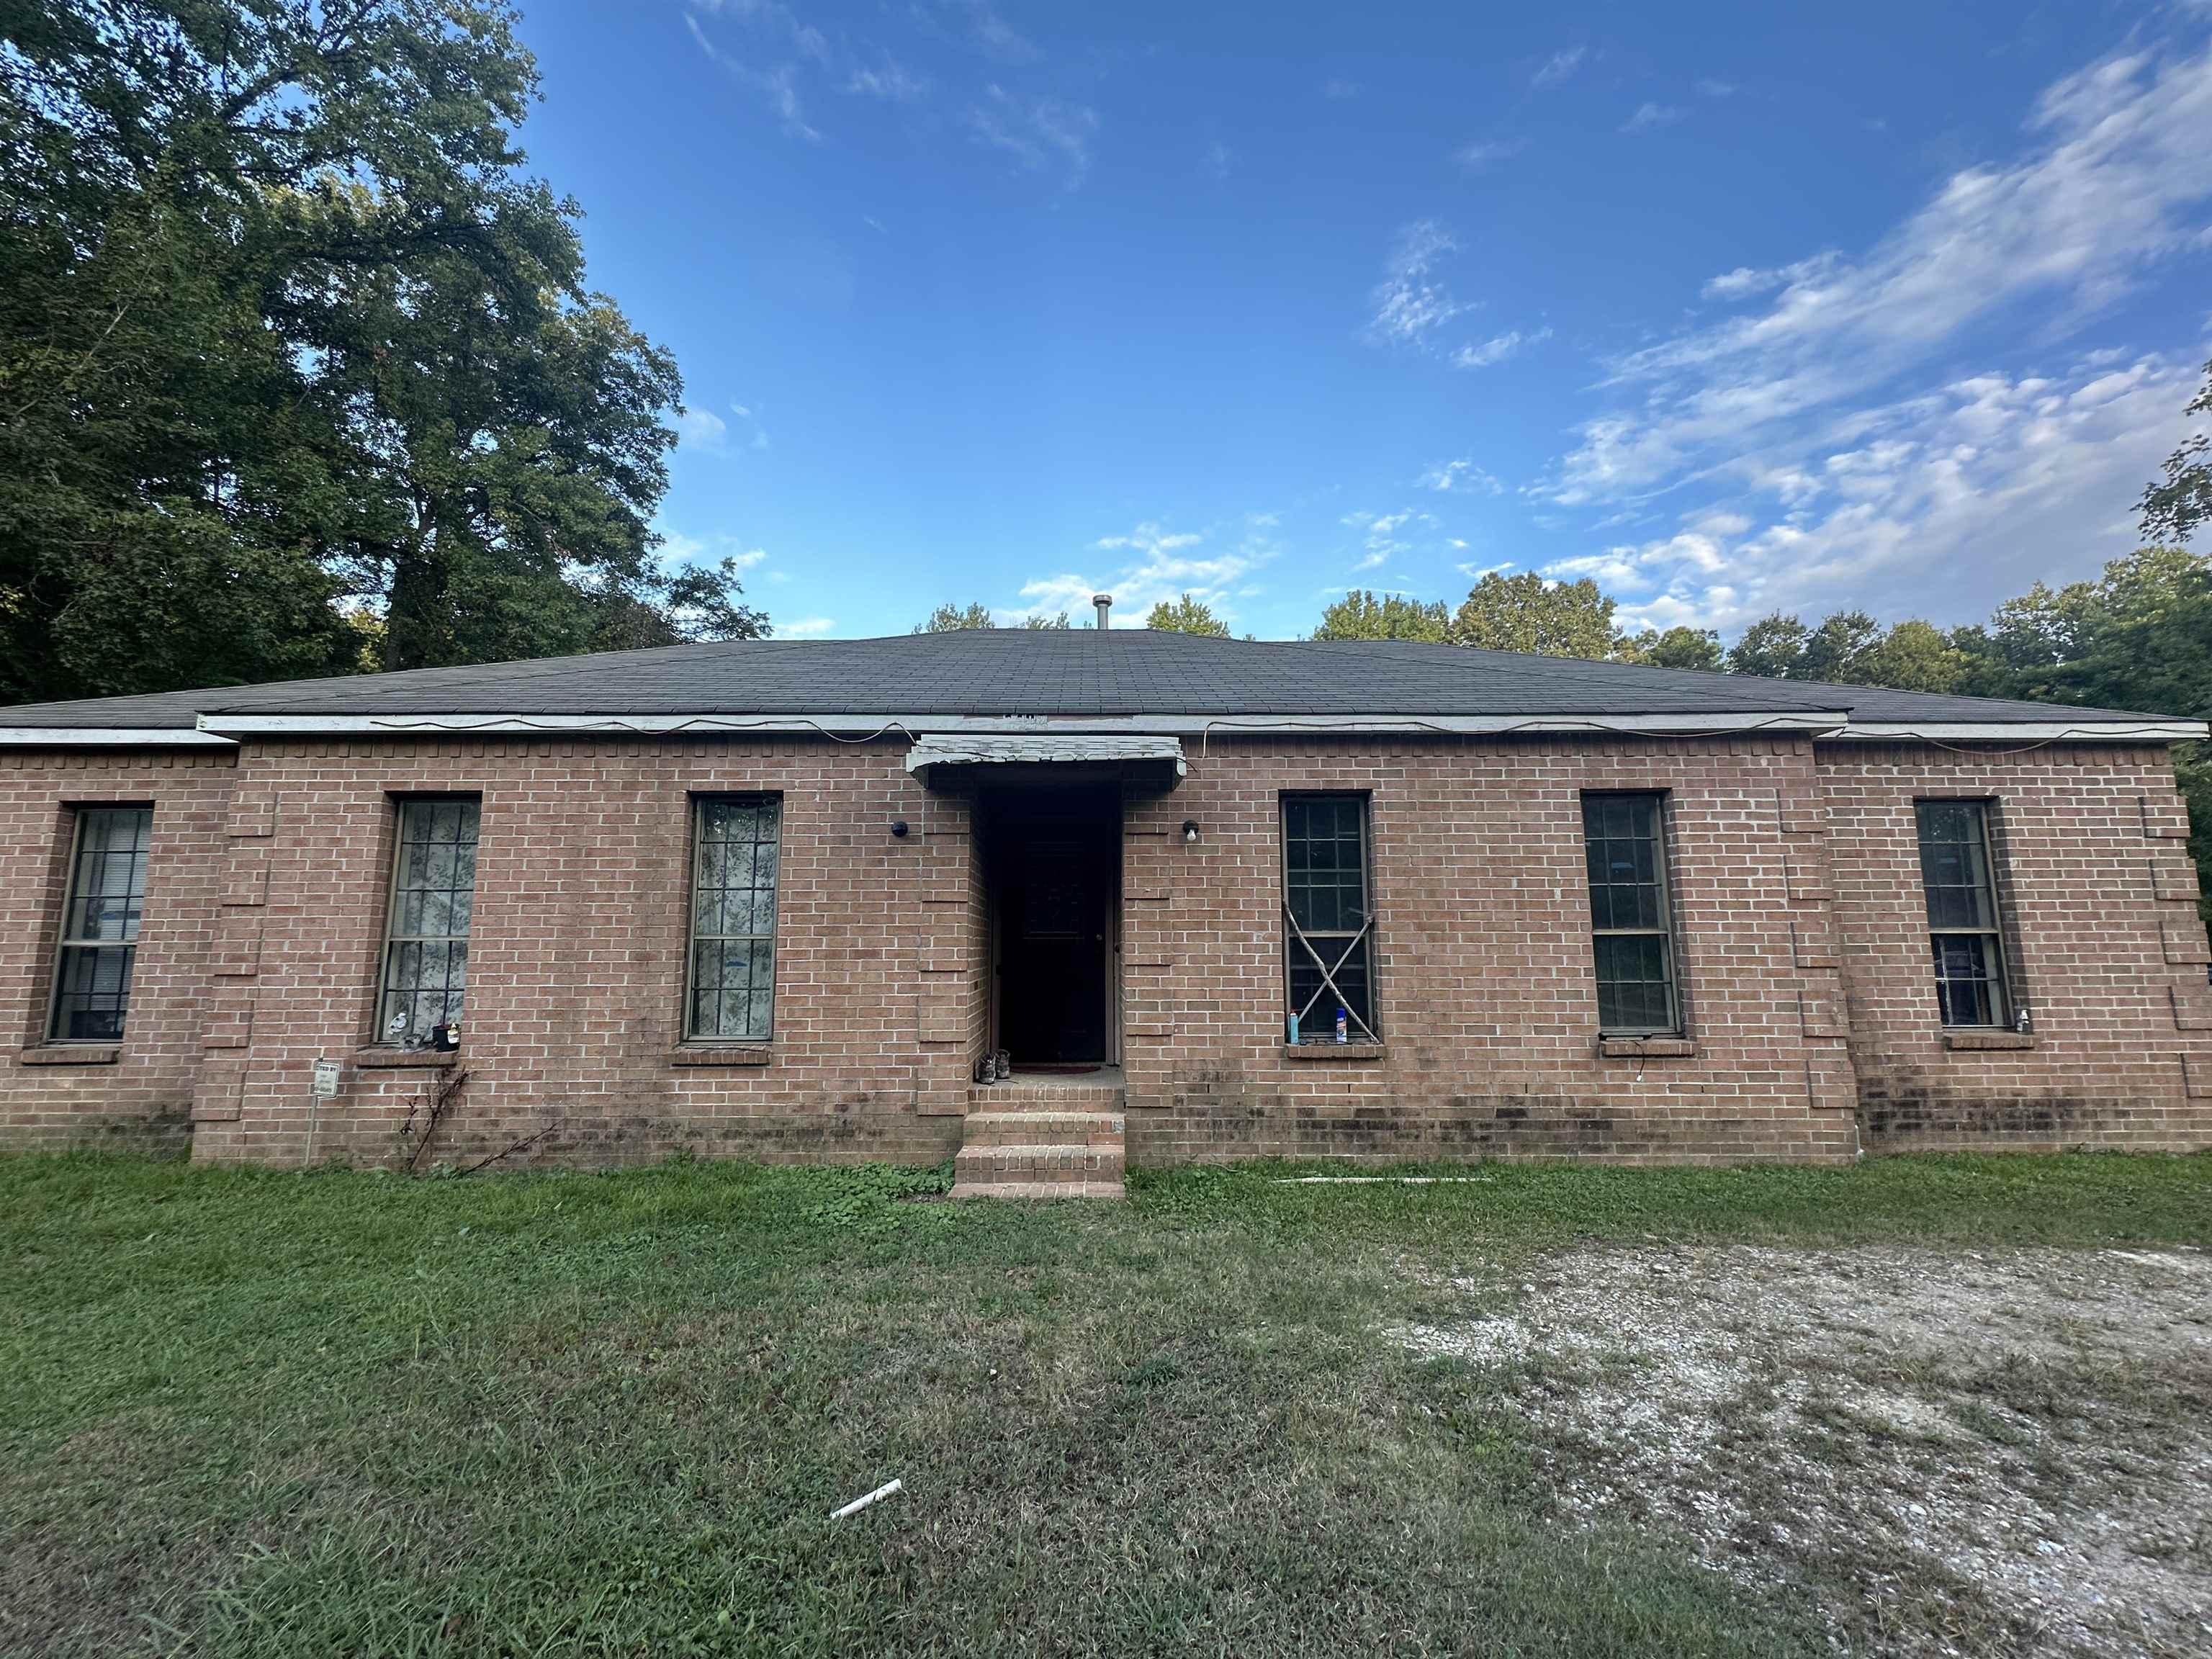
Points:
x=111, y=737
x=276, y=725
x=2037, y=732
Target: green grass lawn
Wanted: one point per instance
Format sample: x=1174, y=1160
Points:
x=251, y=1411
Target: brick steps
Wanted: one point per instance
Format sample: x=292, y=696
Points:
x=1018, y=1096
x=1042, y=1138
x=1036, y=1161
x=1042, y=1128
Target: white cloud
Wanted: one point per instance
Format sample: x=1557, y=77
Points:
x=1747, y=279
x=1164, y=567
x=1914, y=507
x=806, y=628
x=2118, y=177
x=1461, y=475
x=1711, y=87
x=1558, y=67
x=1476, y=156
x=752, y=422
x=1650, y=115
x=700, y=428
x=887, y=79
x=1379, y=534
x=1338, y=91
x=1218, y=162
x=997, y=37
x=767, y=17
x=1040, y=133
x=1151, y=538
x=778, y=87
x=677, y=549
x=1410, y=302
x=1497, y=348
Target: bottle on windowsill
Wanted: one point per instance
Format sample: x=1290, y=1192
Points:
x=1343, y=1026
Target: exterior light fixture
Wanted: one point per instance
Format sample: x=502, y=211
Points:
x=898, y=829
x=1190, y=832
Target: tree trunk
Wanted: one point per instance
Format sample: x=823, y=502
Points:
x=415, y=621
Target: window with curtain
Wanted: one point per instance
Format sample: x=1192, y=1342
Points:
x=426, y=952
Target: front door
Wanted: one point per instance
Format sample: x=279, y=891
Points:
x=1054, y=896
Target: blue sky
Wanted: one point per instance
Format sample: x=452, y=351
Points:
x=1736, y=308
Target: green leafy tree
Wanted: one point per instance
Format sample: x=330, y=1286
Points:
x=1362, y=614
x=2172, y=508
x=1914, y=656
x=1526, y=613
x=1675, y=647
x=286, y=333
x=1041, y=621
x=1836, y=650
x=950, y=618
x=1186, y=615
x=1773, y=647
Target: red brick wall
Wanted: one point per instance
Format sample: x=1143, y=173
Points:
x=2107, y=952
x=1795, y=873
x=576, y=953
x=140, y=1091
x=1485, y=988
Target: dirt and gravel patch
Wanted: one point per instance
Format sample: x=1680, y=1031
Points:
x=1951, y=1452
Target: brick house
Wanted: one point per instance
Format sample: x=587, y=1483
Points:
x=1216, y=898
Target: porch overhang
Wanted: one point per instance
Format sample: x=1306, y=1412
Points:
x=1139, y=757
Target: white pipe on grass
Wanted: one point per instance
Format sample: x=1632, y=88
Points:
x=889, y=1489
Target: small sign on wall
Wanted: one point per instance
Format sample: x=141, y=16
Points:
x=327, y=1079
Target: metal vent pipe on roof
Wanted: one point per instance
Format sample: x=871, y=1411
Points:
x=1105, y=603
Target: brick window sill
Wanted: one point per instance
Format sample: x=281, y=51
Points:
x=1984, y=1042
x=711, y=1053
x=393, y=1059
x=73, y=1053
x=1338, y=1051
x=1646, y=1047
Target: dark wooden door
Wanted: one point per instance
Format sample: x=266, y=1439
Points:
x=1052, y=955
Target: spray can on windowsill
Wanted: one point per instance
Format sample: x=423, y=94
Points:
x=1294, y=1031
x=1343, y=1026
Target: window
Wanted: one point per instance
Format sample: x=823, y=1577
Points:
x=1962, y=912
x=1625, y=844
x=737, y=841
x=426, y=952
x=1329, y=947
x=100, y=924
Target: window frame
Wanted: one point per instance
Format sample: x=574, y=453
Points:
x=49, y=1034
x=379, y=1036
x=695, y=815
x=1368, y=1030
x=2004, y=1000
x=1667, y=932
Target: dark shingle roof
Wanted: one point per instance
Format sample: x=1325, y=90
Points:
x=1124, y=672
